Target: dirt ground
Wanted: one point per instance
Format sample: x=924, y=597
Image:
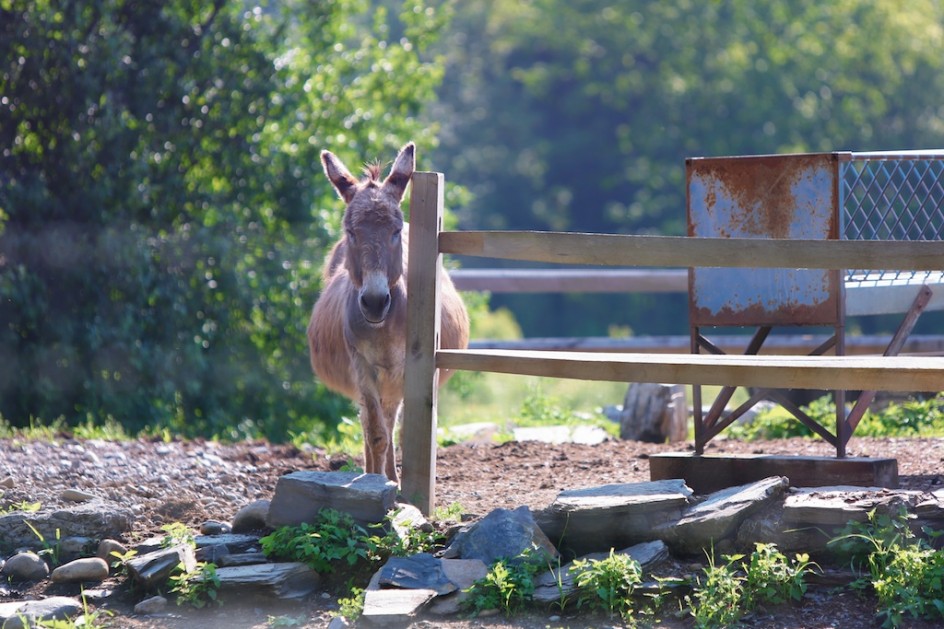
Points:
x=192, y=482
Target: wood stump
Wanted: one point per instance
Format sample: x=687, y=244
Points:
x=654, y=413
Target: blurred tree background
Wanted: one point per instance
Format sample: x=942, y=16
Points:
x=579, y=114
x=163, y=215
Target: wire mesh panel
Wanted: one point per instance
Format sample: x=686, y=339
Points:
x=892, y=196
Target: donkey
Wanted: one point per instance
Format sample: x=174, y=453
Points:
x=357, y=331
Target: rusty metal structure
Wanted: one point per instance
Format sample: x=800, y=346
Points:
x=838, y=195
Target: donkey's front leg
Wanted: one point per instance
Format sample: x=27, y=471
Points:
x=378, y=438
x=391, y=416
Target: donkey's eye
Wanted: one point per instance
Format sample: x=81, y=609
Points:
x=395, y=237
x=350, y=235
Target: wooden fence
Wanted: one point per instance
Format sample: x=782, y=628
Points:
x=428, y=242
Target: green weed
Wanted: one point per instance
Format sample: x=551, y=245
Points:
x=508, y=585
x=351, y=607
x=333, y=537
x=51, y=550
x=198, y=587
x=904, y=571
x=607, y=584
x=177, y=533
x=729, y=590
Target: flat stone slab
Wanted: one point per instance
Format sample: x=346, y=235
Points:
x=596, y=519
x=588, y=435
x=394, y=606
x=299, y=496
x=153, y=569
x=710, y=472
x=706, y=524
x=835, y=506
x=416, y=572
x=463, y=573
x=289, y=580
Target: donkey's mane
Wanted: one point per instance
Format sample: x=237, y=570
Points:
x=372, y=170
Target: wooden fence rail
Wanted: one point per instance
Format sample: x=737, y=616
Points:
x=428, y=242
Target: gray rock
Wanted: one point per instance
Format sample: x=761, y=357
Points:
x=558, y=583
x=95, y=519
x=150, y=606
x=252, y=517
x=716, y=519
x=214, y=527
x=74, y=547
x=291, y=580
x=463, y=573
x=503, y=533
x=416, y=572
x=13, y=615
x=394, y=606
x=85, y=569
x=76, y=495
x=835, y=506
x=405, y=519
x=7, y=482
x=25, y=566
x=236, y=543
x=153, y=569
x=213, y=553
x=108, y=549
x=241, y=559
x=597, y=519
x=338, y=622
x=299, y=497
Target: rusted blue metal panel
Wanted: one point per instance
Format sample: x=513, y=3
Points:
x=777, y=196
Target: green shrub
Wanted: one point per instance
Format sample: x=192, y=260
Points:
x=508, y=586
x=607, y=584
x=904, y=571
x=729, y=590
x=332, y=538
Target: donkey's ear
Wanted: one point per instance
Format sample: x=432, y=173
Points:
x=400, y=172
x=344, y=182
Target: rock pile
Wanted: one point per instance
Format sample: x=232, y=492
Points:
x=648, y=521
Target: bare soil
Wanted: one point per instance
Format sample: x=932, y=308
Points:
x=195, y=481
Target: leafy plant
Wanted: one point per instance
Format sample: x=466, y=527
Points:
x=198, y=587
x=718, y=594
x=51, y=550
x=607, y=584
x=177, y=533
x=736, y=587
x=407, y=540
x=120, y=560
x=507, y=586
x=23, y=506
x=905, y=572
x=772, y=578
x=332, y=537
x=351, y=607
x=451, y=512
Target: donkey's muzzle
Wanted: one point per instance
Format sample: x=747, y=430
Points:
x=375, y=307
x=374, y=298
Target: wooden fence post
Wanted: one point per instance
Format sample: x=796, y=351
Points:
x=418, y=430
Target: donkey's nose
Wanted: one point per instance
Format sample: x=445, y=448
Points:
x=375, y=305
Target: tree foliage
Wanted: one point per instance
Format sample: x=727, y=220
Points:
x=162, y=210
x=579, y=115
